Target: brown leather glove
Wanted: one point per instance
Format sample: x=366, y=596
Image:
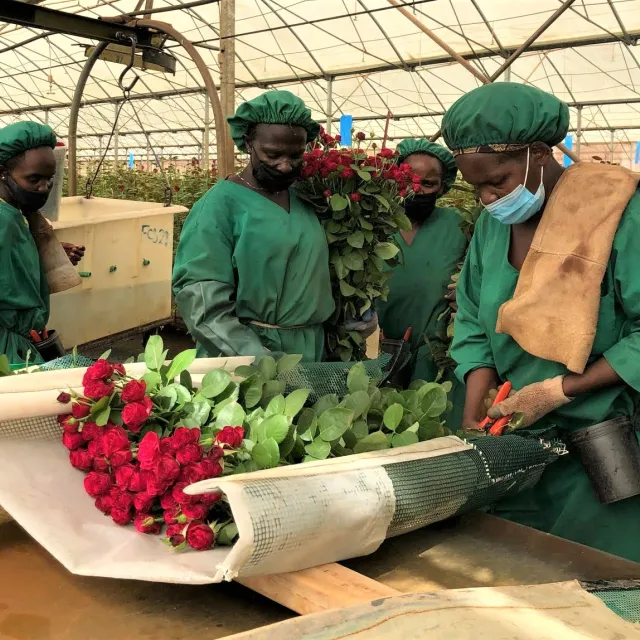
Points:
x=533, y=401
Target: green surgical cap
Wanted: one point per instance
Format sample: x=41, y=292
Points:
x=420, y=145
x=23, y=136
x=272, y=107
x=503, y=116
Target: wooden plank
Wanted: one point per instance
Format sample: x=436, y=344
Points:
x=541, y=612
x=329, y=586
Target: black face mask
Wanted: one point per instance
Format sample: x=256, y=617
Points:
x=271, y=179
x=420, y=207
x=28, y=201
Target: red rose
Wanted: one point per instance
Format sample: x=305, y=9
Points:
x=101, y=464
x=149, y=451
x=115, y=439
x=118, y=458
x=100, y=371
x=189, y=453
x=174, y=529
x=122, y=500
x=80, y=411
x=145, y=523
x=123, y=475
x=97, y=389
x=104, y=503
x=231, y=436
x=119, y=369
x=80, y=459
x=155, y=486
x=72, y=440
x=176, y=188
x=338, y=138
x=210, y=498
x=354, y=197
x=195, y=511
x=212, y=468
x=64, y=398
x=194, y=472
x=135, y=414
x=348, y=172
x=138, y=481
x=121, y=517
x=360, y=136
x=97, y=484
x=200, y=536
x=171, y=515
x=134, y=391
x=402, y=193
x=386, y=153
x=406, y=167
x=166, y=469
x=68, y=423
x=331, y=167
x=167, y=501
x=183, y=436
x=215, y=453
x=91, y=431
x=143, y=501
x=180, y=496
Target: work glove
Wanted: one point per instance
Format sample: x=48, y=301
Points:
x=533, y=401
x=366, y=326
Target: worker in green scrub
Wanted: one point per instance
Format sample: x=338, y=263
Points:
x=27, y=167
x=252, y=267
x=431, y=252
x=501, y=136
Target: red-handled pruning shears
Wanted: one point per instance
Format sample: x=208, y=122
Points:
x=497, y=427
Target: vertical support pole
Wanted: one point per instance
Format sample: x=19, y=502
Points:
x=227, y=60
x=612, y=142
x=46, y=116
x=148, y=158
x=329, y=112
x=206, y=134
x=116, y=140
x=507, y=75
x=579, y=131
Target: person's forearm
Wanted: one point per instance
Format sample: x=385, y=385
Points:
x=479, y=383
x=598, y=375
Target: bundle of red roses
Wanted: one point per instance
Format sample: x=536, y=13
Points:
x=358, y=195
x=138, y=461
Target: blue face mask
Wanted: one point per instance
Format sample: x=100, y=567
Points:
x=519, y=205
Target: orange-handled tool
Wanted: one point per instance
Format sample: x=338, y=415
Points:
x=496, y=427
x=34, y=336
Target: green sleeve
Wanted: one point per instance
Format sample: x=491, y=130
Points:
x=471, y=348
x=624, y=356
x=204, y=281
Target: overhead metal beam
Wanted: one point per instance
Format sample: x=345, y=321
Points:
x=54, y=21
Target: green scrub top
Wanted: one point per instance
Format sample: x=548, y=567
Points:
x=416, y=296
x=24, y=291
x=563, y=502
x=241, y=257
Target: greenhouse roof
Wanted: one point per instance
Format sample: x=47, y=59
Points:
x=364, y=58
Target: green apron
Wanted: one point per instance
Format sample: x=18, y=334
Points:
x=243, y=258
x=416, y=296
x=563, y=502
x=24, y=292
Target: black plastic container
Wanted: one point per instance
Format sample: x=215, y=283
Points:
x=51, y=348
x=610, y=454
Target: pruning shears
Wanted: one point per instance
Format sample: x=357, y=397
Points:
x=497, y=427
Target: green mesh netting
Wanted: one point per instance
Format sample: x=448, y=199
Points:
x=66, y=362
x=622, y=597
x=324, y=378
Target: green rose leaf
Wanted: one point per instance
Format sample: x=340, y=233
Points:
x=267, y=367
x=275, y=406
x=434, y=402
x=288, y=363
x=386, y=250
x=307, y=425
x=429, y=429
x=358, y=402
x=353, y=261
x=447, y=386
x=373, y=442
x=253, y=395
x=360, y=429
x=181, y=363
x=318, y=449
x=232, y=415
x=404, y=439
x=357, y=378
x=346, y=289
x=153, y=353
x=295, y=401
x=338, y=202
x=200, y=413
x=214, y=383
x=276, y=427
x=334, y=422
x=266, y=454
x=326, y=402
x=356, y=239
x=393, y=416
x=102, y=417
